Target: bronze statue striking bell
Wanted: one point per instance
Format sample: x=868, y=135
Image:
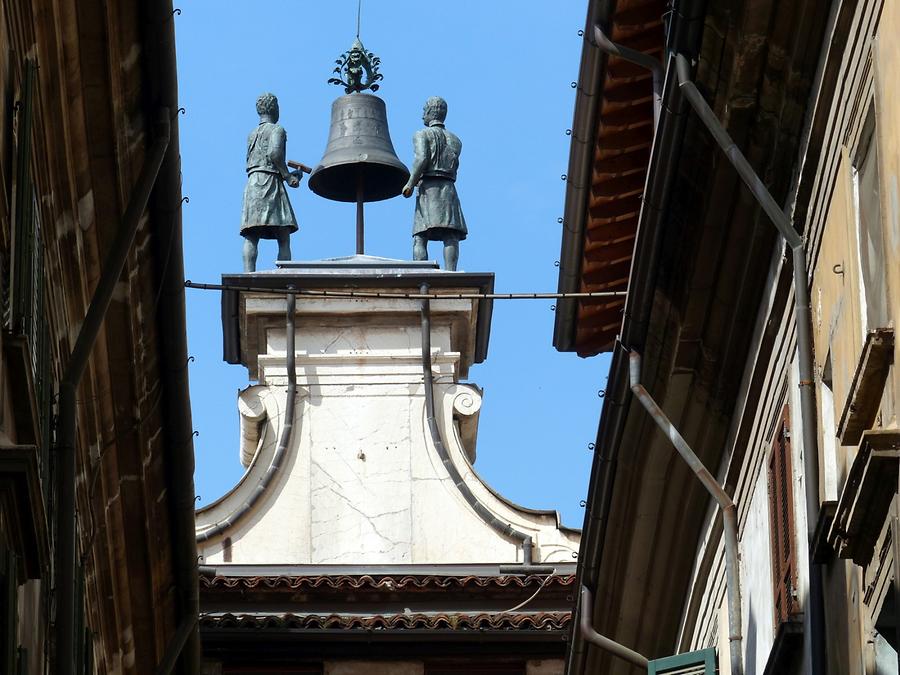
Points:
x=359, y=164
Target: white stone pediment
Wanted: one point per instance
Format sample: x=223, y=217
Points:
x=362, y=482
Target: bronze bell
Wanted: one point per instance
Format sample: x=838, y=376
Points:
x=359, y=164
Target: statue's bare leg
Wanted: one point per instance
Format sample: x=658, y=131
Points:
x=251, y=250
x=420, y=247
x=284, y=244
x=451, y=252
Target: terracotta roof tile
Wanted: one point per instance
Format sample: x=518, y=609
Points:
x=622, y=141
x=352, y=582
x=544, y=621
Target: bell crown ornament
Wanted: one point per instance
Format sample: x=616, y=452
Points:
x=359, y=163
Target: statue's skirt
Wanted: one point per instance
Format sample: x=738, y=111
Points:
x=267, y=209
x=438, y=212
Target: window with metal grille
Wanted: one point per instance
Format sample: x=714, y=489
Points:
x=781, y=516
x=23, y=246
x=24, y=304
x=702, y=662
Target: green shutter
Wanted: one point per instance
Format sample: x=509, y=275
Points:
x=44, y=392
x=88, y=658
x=702, y=662
x=22, y=662
x=9, y=611
x=78, y=628
x=84, y=642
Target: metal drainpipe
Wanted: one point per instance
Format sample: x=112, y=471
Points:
x=284, y=439
x=595, y=638
x=604, y=44
x=68, y=386
x=503, y=528
x=803, y=319
x=726, y=504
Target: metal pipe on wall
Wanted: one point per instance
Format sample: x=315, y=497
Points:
x=503, y=528
x=723, y=499
x=595, y=638
x=68, y=386
x=284, y=440
x=606, y=45
x=803, y=319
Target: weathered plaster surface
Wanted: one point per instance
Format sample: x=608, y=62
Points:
x=756, y=577
x=545, y=667
x=374, y=668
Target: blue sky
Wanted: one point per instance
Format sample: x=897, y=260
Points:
x=505, y=69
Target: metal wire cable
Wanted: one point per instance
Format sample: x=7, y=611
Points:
x=343, y=294
x=533, y=595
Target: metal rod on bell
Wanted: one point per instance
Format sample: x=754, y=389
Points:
x=360, y=216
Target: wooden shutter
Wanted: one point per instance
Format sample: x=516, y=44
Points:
x=781, y=512
x=702, y=662
x=82, y=635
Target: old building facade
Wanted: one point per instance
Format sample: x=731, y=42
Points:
x=804, y=92
x=97, y=554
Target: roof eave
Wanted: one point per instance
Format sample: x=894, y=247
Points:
x=584, y=124
x=162, y=91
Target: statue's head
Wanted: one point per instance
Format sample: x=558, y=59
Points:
x=356, y=54
x=435, y=110
x=267, y=105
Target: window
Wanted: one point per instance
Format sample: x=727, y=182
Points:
x=884, y=640
x=870, y=246
x=781, y=513
x=24, y=304
x=867, y=394
x=828, y=435
x=21, y=267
